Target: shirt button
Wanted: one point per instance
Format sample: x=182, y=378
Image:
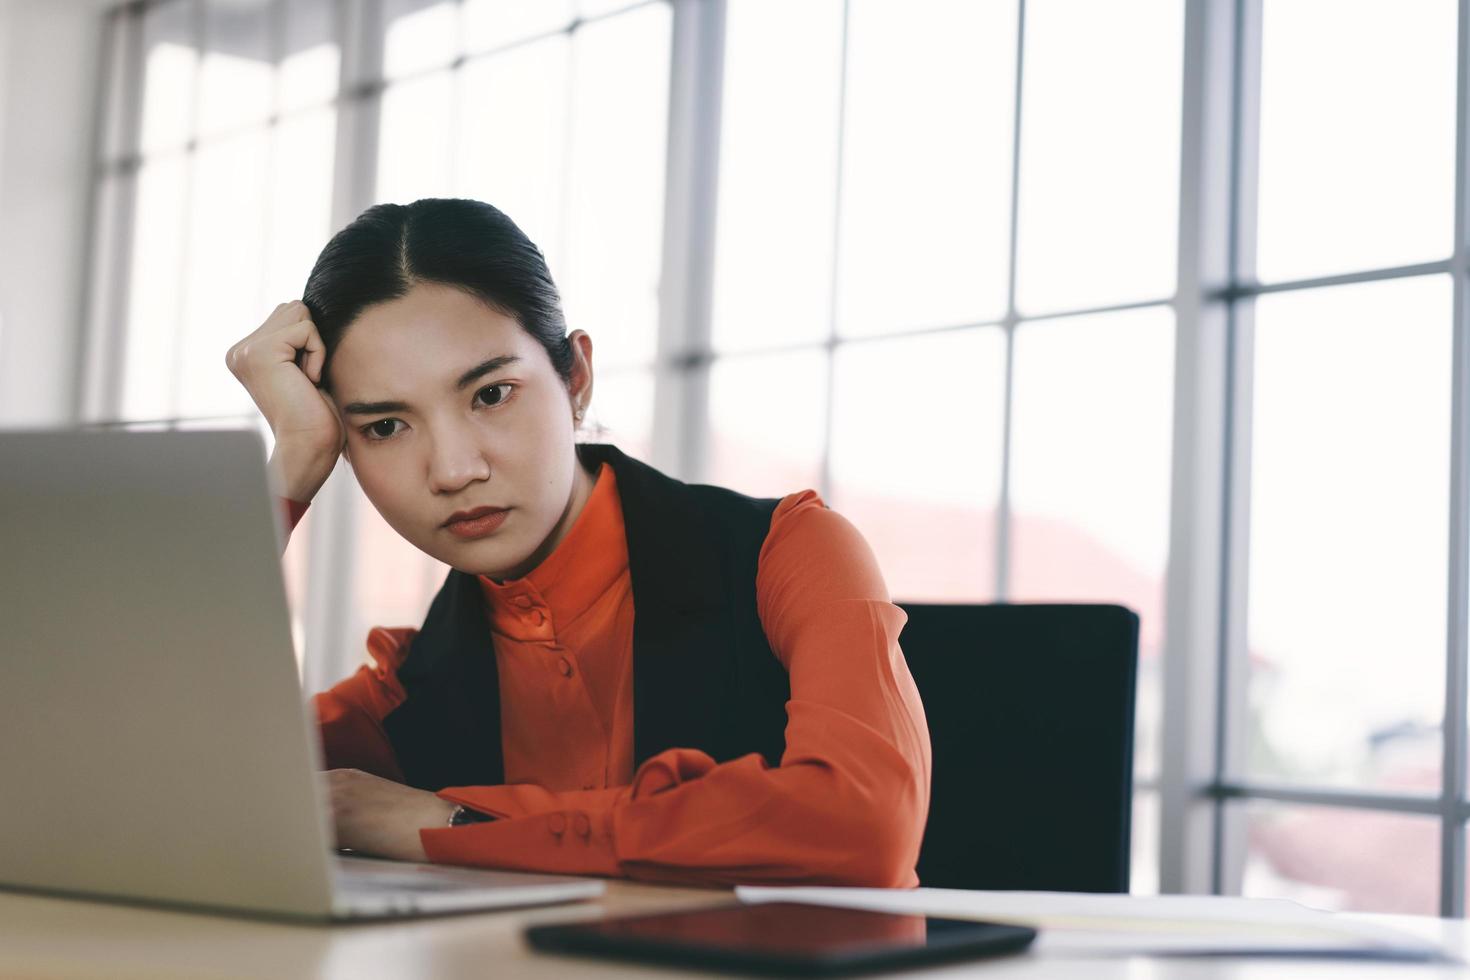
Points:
x=581, y=825
x=565, y=666
x=523, y=601
x=557, y=824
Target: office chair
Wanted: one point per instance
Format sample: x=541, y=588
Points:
x=1030, y=711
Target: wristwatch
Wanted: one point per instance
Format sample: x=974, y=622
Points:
x=462, y=815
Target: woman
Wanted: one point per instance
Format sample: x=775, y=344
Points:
x=753, y=721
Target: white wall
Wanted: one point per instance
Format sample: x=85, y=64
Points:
x=49, y=58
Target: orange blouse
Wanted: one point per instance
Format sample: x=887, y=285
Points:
x=846, y=805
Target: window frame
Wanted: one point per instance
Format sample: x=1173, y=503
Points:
x=1206, y=579
x=1207, y=617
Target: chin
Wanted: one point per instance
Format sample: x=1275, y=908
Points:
x=485, y=558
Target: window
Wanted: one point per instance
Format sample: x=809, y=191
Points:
x=879, y=258
x=221, y=166
x=1349, y=564
x=926, y=258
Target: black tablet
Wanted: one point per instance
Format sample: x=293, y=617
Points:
x=783, y=938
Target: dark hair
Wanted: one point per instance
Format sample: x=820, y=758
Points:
x=469, y=245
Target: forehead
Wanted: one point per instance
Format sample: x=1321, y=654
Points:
x=427, y=337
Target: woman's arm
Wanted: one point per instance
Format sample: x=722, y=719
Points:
x=847, y=804
x=350, y=714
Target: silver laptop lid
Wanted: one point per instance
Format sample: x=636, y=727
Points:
x=156, y=745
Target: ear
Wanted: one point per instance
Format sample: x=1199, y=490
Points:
x=579, y=385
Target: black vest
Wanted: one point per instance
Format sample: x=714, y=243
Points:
x=704, y=676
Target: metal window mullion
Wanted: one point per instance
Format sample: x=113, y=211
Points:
x=276, y=33
x=1232, y=667
x=566, y=178
x=1248, y=287
x=1008, y=324
x=824, y=478
x=1323, y=796
x=105, y=336
x=1452, y=828
x=686, y=280
x=1196, y=580
x=191, y=157
x=331, y=650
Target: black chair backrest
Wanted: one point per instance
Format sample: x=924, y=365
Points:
x=1030, y=711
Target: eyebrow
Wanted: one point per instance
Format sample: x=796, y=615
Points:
x=464, y=381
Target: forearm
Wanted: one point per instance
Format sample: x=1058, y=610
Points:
x=847, y=807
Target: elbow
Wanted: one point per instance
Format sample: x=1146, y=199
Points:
x=880, y=867
x=884, y=839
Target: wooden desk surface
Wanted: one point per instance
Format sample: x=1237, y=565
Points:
x=46, y=937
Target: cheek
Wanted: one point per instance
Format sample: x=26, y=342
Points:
x=384, y=484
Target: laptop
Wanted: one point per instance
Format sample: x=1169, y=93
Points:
x=157, y=745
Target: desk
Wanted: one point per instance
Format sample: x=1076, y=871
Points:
x=55, y=937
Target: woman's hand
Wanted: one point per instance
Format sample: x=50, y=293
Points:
x=280, y=364
x=378, y=816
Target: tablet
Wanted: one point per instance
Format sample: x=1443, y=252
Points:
x=783, y=938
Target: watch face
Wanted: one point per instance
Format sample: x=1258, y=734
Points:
x=464, y=815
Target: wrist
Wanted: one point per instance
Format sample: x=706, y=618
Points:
x=300, y=471
x=461, y=815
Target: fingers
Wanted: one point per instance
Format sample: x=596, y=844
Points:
x=298, y=330
x=316, y=354
x=286, y=335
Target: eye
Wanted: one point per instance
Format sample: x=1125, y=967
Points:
x=493, y=395
x=381, y=429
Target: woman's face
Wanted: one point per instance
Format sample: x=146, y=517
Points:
x=452, y=407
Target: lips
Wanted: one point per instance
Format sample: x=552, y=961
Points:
x=471, y=514
x=481, y=522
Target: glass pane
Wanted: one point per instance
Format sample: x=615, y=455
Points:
x=1099, y=153
x=169, y=64
x=236, y=76
x=1143, y=874
x=593, y=8
x=1349, y=502
x=493, y=23
x=222, y=286
x=622, y=412
x=1357, y=136
x=926, y=180
x=157, y=255
x=300, y=202
x=768, y=422
x=778, y=167
x=420, y=36
x=413, y=141
x=916, y=454
x=512, y=137
x=296, y=566
x=1090, y=472
x=1336, y=858
x=393, y=582
x=613, y=250
x=311, y=62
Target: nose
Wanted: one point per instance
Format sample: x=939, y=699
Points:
x=456, y=460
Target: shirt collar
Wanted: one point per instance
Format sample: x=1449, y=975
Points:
x=585, y=564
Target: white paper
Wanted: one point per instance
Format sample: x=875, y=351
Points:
x=1071, y=923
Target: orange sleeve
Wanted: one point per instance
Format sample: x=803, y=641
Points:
x=292, y=511
x=846, y=806
x=350, y=714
